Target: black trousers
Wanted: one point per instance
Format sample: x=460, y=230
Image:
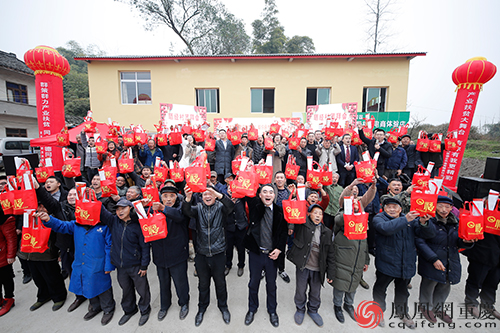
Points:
x=211, y=268
x=7, y=281
x=67, y=258
x=482, y=281
x=328, y=220
x=48, y=279
x=130, y=281
x=257, y=263
x=105, y=301
x=178, y=274
x=400, y=293
x=346, y=177
x=235, y=239
x=371, y=234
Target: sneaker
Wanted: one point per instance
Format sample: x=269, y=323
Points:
x=284, y=276
x=6, y=305
x=316, y=318
x=408, y=321
x=299, y=317
x=363, y=284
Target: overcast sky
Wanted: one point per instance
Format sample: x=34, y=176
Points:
x=450, y=31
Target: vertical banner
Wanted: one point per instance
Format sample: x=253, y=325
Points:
x=469, y=79
x=49, y=67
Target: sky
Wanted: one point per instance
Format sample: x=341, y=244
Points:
x=450, y=31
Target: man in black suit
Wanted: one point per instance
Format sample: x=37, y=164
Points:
x=414, y=159
x=377, y=144
x=265, y=240
x=224, y=154
x=345, y=161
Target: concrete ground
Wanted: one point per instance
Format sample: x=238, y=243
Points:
x=20, y=319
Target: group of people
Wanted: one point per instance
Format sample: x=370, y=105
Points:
x=216, y=222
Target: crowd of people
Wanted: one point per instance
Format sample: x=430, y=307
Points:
x=206, y=227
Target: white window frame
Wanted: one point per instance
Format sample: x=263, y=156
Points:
x=136, y=81
x=204, y=90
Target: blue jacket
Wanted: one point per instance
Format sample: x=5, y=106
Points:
x=148, y=158
x=444, y=246
x=396, y=254
x=92, y=257
x=398, y=159
x=173, y=249
x=128, y=248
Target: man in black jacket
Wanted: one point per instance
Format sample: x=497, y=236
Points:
x=413, y=155
x=377, y=144
x=236, y=227
x=210, y=247
x=265, y=240
x=170, y=254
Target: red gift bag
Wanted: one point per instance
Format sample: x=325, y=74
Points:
x=154, y=227
x=253, y=133
x=294, y=142
x=451, y=141
x=176, y=173
x=423, y=203
x=268, y=144
x=108, y=188
x=422, y=142
x=209, y=144
x=291, y=169
x=186, y=129
x=234, y=137
x=356, y=140
x=199, y=135
x=264, y=173
x=162, y=139
x=63, y=137
x=235, y=165
x=421, y=178
x=365, y=170
x=7, y=201
x=245, y=184
x=368, y=132
x=44, y=172
x=71, y=166
x=89, y=126
x=492, y=220
x=274, y=129
x=470, y=226
x=23, y=168
x=393, y=135
x=161, y=173
x=355, y=226
x=295, y=211
x=196, y=178
x=175, y=138
x=24, y=197
x=35, y=237
x=327, y=178
x=129, y=139
x=151, y=192
x=314, y=176
x=125, y=165
x=141, y=138
x=435, y=144
x=109, y=173
x=88, y=209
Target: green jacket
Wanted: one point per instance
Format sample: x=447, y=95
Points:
x=404, y=197
x=350, y=257
x=334, y=192
x=301, y=249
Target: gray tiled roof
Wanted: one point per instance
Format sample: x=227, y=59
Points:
x=10, y=61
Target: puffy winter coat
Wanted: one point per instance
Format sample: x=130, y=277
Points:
x=148, y=157
x=444, y=246
x=92, y=256
x=173, y=249
x=350, y=257
x=128, y=248
x=210, y=220
x=8, y=239
x=396, y=254
x=301, y=249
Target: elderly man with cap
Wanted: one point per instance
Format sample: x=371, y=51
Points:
x=244, y=147
x=439, y=262
x=313, y=261
x=210, y=244
x=130, y=255
x=170, y=254
x=413, y=155
x=396, y=254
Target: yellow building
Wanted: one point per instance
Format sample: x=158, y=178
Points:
x=130, y=89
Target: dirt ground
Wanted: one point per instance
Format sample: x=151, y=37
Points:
x=472, y=167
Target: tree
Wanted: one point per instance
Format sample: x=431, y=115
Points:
x=379, y=15
x=75, y=83
x=269, y=35
x=204, y=26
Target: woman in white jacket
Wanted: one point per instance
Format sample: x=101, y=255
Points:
x=190, y=150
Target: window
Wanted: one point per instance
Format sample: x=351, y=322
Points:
x=208, y=98
x=374, y=99
x=136, y=87
x=16, y=132
x=17, y=93
x=262, y=101
x=317, y=96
